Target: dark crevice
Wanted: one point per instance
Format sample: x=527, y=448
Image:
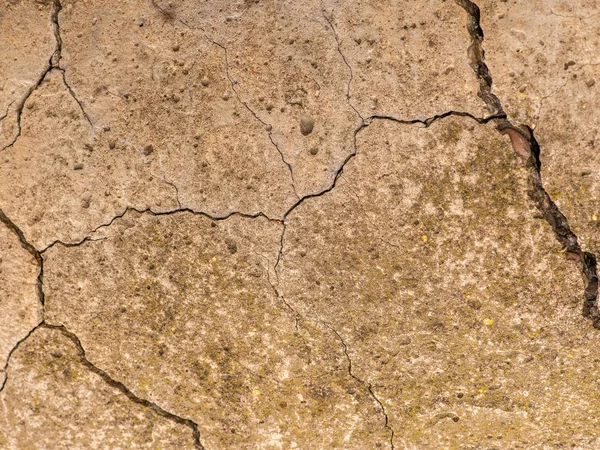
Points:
x=525, y=145
x=31, y=250
x=124, y=389
x=131, y=209
x=53, y=63
x=12, y=350
x=369, y=386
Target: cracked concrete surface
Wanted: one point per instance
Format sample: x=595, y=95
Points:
x=309, y=225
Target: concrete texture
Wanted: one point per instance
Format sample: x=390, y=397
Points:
x=299, y=225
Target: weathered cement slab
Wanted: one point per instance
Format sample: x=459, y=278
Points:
x=296, y=225
x=181, y=309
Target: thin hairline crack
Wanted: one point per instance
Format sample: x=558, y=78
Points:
x=526, y=146
x=266, y=126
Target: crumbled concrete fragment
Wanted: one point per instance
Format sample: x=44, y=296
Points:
x=306, y=125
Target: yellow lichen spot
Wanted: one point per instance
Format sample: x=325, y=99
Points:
x=214, y=259
x=488, y=322
x=424, y=238
x=594, y=217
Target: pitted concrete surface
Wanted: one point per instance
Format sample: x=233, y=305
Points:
x=299, y=225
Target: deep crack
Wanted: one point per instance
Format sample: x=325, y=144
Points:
x=525, y=145
x=31, y=250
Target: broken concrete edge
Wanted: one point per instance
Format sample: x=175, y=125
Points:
x=107, y=379
x=526, y=146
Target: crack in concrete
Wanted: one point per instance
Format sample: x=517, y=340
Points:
x=124, y=389
x=12, y=350
x=31, y=250
x=266, y=126
x=369, y=386
x=110, y=381
x=72, y=94
x=53, y=63
x=131, y=209
x=339, y=49
x=525, y=145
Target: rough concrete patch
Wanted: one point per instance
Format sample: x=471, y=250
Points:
x=163, y=305
x=154, y=82
x=42, y=190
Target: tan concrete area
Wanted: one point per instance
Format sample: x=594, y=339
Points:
x=323, y=224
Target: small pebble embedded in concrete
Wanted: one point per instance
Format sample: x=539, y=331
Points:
x=307, y=124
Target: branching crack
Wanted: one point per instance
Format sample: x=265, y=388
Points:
x=53, y=63
x=369, y=386
x=525, y=145
x=268, y=127
x=12, y=350
x=31, y=250
x=339, y=49
x=108, y=380
x=72, y=93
